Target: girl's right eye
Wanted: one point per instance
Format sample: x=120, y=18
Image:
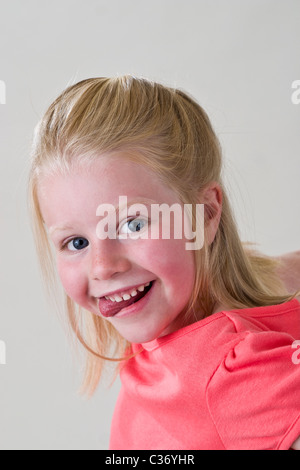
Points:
x=77, y=244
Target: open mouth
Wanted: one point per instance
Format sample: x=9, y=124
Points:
x=110, y=307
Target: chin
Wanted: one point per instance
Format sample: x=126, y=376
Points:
x=140, y=336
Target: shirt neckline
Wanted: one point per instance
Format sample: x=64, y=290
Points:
x=267, y=310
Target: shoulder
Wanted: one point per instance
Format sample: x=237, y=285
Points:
x=246, y=393
x=281, y=318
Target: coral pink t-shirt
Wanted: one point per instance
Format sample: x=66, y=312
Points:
x=229, y=381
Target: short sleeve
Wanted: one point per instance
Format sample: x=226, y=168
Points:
x=254, y=395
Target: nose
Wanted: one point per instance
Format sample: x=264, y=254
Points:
x=108, y=260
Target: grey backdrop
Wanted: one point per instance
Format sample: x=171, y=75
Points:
x=239, y=58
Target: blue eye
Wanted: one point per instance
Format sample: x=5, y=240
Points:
x=133, y=226
x=77, y=244
x=136, y=225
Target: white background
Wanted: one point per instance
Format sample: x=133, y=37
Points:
x=238, y=58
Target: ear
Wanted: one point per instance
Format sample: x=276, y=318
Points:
x=212, y=198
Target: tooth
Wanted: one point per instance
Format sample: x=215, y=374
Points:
x=133, y=293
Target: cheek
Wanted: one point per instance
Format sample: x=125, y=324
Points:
x=73, y=282
x=180, y=271
x=172, y=263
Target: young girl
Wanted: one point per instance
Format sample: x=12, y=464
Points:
x=203, y=339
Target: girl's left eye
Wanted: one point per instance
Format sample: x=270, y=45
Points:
x=133, y=226
x=77, y=244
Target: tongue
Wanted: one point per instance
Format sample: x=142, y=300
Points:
x=108, y=308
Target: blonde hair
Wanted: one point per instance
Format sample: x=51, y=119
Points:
x=168, y=131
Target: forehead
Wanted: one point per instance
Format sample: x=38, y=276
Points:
x=108, y=173
x=103, y=181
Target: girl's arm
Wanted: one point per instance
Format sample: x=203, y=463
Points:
x=289, y=270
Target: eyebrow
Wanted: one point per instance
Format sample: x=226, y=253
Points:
x=59, y=229
x=139, y=200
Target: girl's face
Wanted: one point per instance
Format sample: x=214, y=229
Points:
x=106, y=275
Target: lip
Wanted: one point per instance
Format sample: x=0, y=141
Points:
x=134, y=308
